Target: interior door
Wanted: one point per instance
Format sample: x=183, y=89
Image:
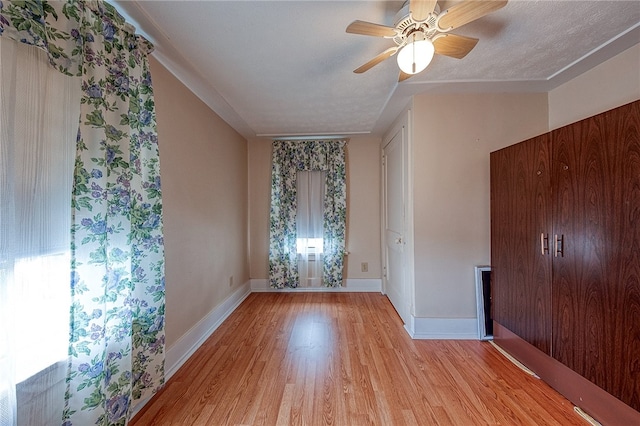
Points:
x=394, y=222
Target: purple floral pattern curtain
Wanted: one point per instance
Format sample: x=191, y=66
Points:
x=116, y=348
x=288, y=158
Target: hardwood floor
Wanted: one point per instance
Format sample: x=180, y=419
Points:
x=345, y=359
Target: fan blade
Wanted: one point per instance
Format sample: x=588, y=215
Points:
x=465, y=12
x=371, y=29
x=420, y=9
x=455, y=46
x=404, y=76
x=375, y=61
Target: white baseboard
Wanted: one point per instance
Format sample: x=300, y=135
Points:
x=353, y=285
x=443, y=328
x=190, y=341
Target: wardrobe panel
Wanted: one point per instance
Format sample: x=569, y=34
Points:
x=623, y=143
x=580, y=297
x=520, y=222
x=596, y=217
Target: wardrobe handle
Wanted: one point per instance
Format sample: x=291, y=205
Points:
x=558, y=245
x=544, y=244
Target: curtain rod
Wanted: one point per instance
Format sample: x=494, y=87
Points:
x=299, y=136
x=314, y=139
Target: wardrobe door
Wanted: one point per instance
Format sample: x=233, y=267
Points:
x=520, y=222
x=624, y=264
x=596, y=274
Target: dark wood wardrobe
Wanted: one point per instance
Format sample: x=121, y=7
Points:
x=565, y=255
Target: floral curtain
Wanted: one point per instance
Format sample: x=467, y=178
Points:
x=289, y=157
x=116, y=348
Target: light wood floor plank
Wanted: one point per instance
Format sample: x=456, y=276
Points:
x=345, y=359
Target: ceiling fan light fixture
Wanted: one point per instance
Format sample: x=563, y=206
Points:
x=415, y=56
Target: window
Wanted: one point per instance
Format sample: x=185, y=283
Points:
x=310, y=226
x=42, y=297
x=310, y=211
x=39, y=122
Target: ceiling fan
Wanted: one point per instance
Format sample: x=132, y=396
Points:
x=424, y=30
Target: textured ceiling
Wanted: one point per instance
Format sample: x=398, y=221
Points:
x=284, y=68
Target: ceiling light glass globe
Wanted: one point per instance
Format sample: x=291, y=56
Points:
x=415, y=56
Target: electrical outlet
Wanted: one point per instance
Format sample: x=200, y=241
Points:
x=231, y=281
x=364, y=266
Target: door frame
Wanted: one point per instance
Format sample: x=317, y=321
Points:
x=402, y=124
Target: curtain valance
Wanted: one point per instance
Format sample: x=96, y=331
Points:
x=61, y=28
x=308, y=155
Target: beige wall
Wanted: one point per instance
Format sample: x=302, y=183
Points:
x=259, y=199
x=451, y=148
x=204, y=185
x=363, y=206
x=611, y=84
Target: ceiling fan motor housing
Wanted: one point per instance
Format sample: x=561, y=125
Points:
x=406, y=25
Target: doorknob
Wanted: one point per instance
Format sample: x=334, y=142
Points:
x=399, y=240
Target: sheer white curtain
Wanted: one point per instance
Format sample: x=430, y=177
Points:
x=310, y=226
x=39, y=120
